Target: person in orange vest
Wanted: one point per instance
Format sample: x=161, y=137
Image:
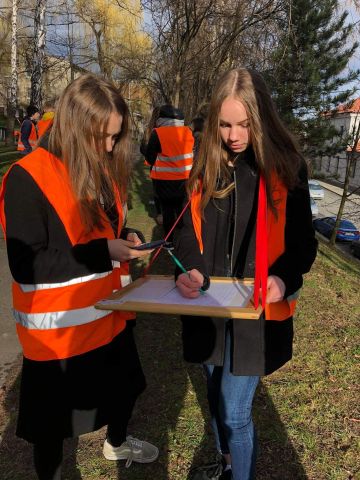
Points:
x=249, y=216
x=28, y=131
x=63, y=212
x=170, y=154
x=47, y=118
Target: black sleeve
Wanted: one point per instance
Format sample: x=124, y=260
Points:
x=300, y=241
x=25, y=134
x=153, y=148
x=38, y=247
x=143, y=146
x=187, y=249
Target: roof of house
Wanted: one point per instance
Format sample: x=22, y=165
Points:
x=351, y=107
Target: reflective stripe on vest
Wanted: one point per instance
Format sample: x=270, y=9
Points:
x=58, y=320
x=175, y=160
x=33, y=138
x=275, y=241
x=49, y=320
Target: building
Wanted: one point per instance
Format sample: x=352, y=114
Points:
x=346, y=119
x=57, y=75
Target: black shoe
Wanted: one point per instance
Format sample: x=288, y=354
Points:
x=210, y=471
x=226, y=475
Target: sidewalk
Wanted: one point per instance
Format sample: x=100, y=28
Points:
x=9, y=344
x=354, y=197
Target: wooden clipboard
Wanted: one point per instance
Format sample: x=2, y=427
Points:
x=135, y=297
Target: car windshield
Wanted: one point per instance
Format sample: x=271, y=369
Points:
x=314, y=187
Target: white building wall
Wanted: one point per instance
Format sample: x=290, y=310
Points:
x=335, y=167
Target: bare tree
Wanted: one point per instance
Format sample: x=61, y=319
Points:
x=38, y=53
x=195, y=40
x=12, y=95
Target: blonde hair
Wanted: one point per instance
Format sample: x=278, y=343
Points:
x=275, y=148
x=77, y=138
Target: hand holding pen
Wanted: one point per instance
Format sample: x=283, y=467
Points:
x=189, y=282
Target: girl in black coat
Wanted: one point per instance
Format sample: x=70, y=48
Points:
x=63, y=210
x=252, y=182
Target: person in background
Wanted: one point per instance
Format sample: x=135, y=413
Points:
x=28, y=131
x=63, y=212
x=250, y=217
x=143, y=146
x=170, y=154
x=47, y=117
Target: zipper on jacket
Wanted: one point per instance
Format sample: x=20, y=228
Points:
x=235, y=216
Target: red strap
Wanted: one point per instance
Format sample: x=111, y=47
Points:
x=261, y=249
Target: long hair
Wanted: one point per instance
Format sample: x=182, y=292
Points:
x=78, y=138
x=275, y=148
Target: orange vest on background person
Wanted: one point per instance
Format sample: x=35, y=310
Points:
x=275, y=242
x=175, y=160
x=59, y=320
x=43, y=125
x=33, y=138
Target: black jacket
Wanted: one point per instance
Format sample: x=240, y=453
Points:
x=258, y=347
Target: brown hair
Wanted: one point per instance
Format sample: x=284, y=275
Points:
x=275, y=148
x=82, y=115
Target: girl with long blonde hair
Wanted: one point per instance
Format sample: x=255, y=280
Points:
x=250, y=216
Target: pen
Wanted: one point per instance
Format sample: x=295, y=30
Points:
x=182, y=268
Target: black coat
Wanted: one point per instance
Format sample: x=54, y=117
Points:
x=258, y=347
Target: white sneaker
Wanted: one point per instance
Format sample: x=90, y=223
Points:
x=132, y=450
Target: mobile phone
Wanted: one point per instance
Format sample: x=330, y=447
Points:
x=150, y=245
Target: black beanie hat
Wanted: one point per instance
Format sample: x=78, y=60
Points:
x=168, y=111
x=31, y=109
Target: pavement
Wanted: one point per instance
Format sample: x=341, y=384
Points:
x=9, y=344
x=354, y=197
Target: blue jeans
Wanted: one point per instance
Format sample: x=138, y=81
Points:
x=230, y=399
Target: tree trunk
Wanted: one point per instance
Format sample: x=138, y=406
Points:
x=12, y=97
x=38, y=58
x=176, y=95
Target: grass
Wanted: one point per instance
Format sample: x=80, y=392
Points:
x=8, y=155
x=307, y=414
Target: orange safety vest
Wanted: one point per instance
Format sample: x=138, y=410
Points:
x=33, y=138
x=43, y=125
x=275, y=242
x=59, y=320
x=176, y=157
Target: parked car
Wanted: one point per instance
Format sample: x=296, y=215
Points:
x=316, y=190
x=355, y=248
x=346, y=232
x=314, y=207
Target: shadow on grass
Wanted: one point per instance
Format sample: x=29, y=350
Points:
x=277, y=459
